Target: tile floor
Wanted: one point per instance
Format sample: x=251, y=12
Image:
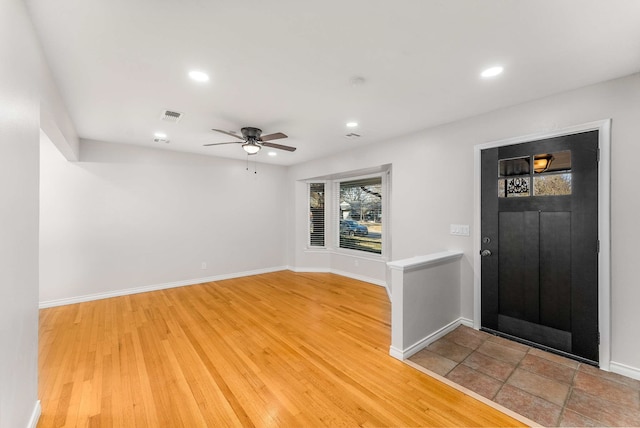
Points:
x=544, y=387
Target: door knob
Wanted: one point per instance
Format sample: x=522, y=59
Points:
x=485, y=253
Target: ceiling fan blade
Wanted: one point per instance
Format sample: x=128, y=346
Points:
x=228, y=133
x=219, y=144
x=279, y=146
x=275, y=136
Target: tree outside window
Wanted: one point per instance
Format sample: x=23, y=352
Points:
x=360, y=217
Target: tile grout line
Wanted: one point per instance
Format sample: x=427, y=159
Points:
x=519, y=366
x=589, y=392
x=532, y=352
x=503, y=382
x=491, y=400
x=493, y=397
x=566, y=400
x=563, y=407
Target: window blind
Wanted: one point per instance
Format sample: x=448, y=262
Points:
x=316, y=215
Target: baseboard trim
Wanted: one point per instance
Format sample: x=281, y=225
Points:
x=624, y=370
x=466, y=322
x=403, y=354
x=35, y=415
x=362, y=278
x=135, y=290
x=396, y=353
x=308, y=270
x=155, y=287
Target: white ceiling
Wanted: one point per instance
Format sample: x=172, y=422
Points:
x=288, y=65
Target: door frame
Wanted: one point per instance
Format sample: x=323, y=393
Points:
x=604, y=224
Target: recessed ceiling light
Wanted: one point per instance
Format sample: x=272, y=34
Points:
x=272, y=154
x=199, y=76
x=160, y=137
x=352, y=124
x=492, y=72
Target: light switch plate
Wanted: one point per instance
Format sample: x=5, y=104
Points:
x=459, y=229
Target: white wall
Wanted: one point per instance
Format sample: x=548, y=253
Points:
x=432, y=187
x=127, y=217
x=55, y=121
x=19, y=130
x=425, y=301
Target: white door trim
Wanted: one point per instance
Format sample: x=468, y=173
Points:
x=604, y=224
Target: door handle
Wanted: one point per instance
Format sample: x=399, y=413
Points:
x=485, y=253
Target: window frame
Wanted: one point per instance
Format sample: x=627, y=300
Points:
x=332, y=192
x=336, y=217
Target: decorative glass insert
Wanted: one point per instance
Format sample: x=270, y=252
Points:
x=517, y=187
x=513, y=187
x=515, y=166
x=552, y=162
x=552, y=184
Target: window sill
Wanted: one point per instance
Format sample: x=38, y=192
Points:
x=315, y=249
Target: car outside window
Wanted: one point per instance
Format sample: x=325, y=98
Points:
x=360, y=215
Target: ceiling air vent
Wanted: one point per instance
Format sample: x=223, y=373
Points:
x=171, y=116
x=352, y=135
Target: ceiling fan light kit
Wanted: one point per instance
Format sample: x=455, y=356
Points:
x=251, y=148
x=252, y=140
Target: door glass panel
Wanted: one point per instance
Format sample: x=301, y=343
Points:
x=516, y=187
x=552, y=162
x=552, y=174
x=501, y=193
x=515, y=166
x=552, y=184
x=513, y=187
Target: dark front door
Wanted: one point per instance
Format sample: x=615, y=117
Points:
x=540, y=243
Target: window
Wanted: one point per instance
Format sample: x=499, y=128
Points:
x=551, y=175
x=517, y=171
x=316, y=214
x=360, y=214
x=344, y=213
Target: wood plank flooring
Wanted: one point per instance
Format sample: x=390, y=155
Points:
x=280, y=349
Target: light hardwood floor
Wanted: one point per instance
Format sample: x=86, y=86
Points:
x=280, y=349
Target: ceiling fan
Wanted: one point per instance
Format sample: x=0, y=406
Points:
x=253, y=140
